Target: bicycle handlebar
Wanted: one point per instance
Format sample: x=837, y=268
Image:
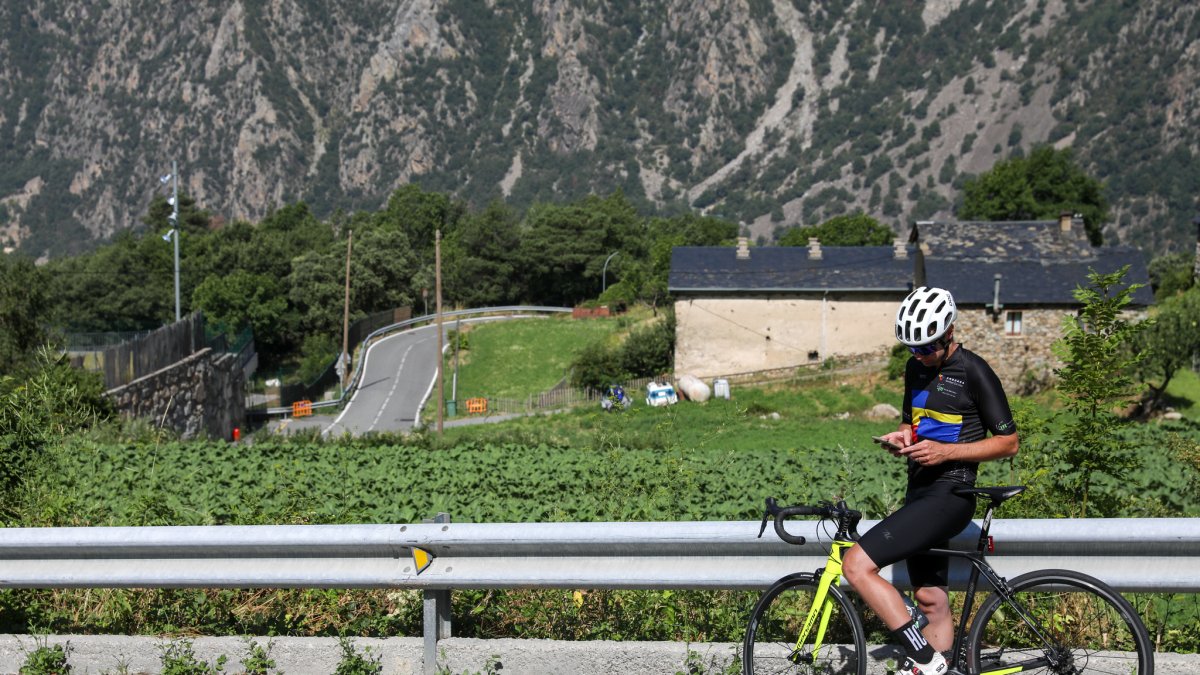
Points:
x=846, y=518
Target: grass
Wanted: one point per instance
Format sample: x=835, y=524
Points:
x=513, y=359
x=1183, y=394
x=809, y=415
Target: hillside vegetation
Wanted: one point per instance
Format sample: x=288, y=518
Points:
x=765, y=112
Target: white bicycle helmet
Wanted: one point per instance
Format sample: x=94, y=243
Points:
x=925, y=316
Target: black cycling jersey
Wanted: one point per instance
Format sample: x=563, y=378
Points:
x=960, y=402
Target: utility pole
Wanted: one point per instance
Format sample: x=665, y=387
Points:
x=175, y=225
x=344, y=357
x=437, y=267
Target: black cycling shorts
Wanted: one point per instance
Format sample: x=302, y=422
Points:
x=930, y=517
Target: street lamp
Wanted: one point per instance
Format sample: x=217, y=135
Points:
x=174, y=220
x=604, y=274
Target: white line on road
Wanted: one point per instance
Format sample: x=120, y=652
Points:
x=395, y=383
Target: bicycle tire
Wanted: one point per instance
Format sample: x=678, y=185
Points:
x=1092, y=629
x=771, y=634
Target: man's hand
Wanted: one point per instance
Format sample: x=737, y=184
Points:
x=928, y=453
x=899, y=439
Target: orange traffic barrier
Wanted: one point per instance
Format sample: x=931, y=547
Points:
x=476, y=405
x=301, y=408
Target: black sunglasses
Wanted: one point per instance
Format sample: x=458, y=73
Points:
x=926, y=350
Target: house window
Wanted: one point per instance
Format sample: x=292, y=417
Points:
x=1012, y=323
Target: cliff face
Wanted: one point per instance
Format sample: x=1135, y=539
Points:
x=769, y=112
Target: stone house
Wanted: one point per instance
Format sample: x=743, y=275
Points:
x=751, y=309
x=1013, y=283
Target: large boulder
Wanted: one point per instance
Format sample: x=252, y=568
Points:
x=693, y=388
x=883, y=411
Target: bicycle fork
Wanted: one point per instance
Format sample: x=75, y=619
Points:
x=831, y=574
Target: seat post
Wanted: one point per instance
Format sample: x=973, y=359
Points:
x=987, y=524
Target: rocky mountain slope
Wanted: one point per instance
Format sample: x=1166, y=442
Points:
x=767, y=112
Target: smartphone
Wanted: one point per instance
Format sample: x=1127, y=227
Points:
x=887, y=445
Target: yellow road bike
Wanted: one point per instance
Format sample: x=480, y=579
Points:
x=1049, y=621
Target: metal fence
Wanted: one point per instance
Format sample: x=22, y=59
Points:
x=143, y=354
x=1158, y=555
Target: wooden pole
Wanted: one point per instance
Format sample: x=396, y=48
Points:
x=437, y=267
x=346, y=315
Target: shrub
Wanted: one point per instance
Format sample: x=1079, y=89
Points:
x=650, y=351
x=596, y=366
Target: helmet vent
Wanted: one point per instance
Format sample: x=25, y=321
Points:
x=921, y=315
x=917, y=334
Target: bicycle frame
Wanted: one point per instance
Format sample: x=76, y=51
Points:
x=830, y=574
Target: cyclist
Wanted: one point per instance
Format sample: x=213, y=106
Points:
x=952, y=399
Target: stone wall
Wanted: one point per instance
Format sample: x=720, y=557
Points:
x=725, y=335
x=1024, y=362
x=204, y=394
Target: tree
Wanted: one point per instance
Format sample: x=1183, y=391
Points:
x=856, y=229
x=1171, y=342
x=1171, y=274
x=565, y=246
x=1095, y=378
x=1040, y=186
x=419, y=215
x=22, y=306
x=479, y=259
x=242, y=299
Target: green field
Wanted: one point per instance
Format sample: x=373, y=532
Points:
x=516, y=358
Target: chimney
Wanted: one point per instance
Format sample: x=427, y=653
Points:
x=899, y=251
x=1065, y=219
x=814, y=249
x=743, y=249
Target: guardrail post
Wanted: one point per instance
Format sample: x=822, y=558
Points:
x=437, y=615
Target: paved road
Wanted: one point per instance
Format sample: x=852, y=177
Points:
x=399, y=376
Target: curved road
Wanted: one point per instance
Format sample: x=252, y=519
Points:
x=398, y=375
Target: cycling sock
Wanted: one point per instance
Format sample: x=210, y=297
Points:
x=915, y=645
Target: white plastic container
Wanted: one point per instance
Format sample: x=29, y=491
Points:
x=721, y=388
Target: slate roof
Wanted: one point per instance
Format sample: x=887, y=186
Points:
x=714, y=269
x=1039, y=263
x=1034, y=282
x=1008, y=240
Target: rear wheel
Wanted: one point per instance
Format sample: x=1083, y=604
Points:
x=771, y=645
x=1085, y=627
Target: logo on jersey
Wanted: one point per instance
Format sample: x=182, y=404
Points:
x=932, y=424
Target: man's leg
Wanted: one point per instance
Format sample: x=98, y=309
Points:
x=880, y=596
x=934, y=601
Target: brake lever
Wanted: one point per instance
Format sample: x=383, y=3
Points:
x=771, y=509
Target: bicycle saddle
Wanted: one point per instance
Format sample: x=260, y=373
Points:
x=996, y=494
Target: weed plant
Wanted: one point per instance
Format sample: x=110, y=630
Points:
x=47, y=659
x=355, y=662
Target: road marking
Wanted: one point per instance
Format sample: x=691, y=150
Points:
x=395, y=383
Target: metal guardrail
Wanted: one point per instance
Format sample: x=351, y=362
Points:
x=1161, y=555
x=356, y=377
x=1131, y=554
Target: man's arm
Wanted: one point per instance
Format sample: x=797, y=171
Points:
x=932, y=453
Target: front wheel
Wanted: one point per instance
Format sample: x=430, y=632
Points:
x=1075, y=624
x=773, y=643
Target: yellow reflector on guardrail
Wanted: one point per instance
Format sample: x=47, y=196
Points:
x=421, y=559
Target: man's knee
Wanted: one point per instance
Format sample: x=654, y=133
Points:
x=857, y=564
